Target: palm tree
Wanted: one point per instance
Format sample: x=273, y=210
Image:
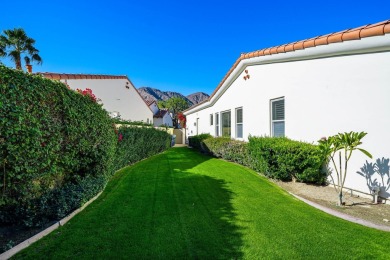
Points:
x=2, y=49
x=17, y=42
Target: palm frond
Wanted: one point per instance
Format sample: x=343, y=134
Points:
x=27, y=60
x=14, y=55
x=35, y=57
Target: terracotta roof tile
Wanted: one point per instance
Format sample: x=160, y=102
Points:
x=281, y=48
x=59, y=76
x=336, y=37
x=373, y=30
x=274, y=50
x=309, y=42
x=160, y=114
x=380, y=28
x=353, y=34
x=322, y=40
x=267, y=51
x=149, y=101
x=298, y=45
x=289, y=47
x=386, y=28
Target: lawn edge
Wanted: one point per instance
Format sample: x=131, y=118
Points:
x=342, y=215
x=26, y=243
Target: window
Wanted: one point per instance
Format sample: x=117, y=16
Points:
x=277, y=117
x=226, y=125
x=239, y=129
x=211, y=119
x=216, y=124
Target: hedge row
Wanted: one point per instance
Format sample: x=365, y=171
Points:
x=58, y=148
x=285, y=159
x=228, y=149
x=196, y=141
x=137, y=143
x=278, y=158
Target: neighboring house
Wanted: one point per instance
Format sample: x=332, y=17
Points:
x=306, y=90
x=117, y=94
x=160, y=116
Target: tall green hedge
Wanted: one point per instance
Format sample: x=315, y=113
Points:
x=136, y=143
x=58, y=148
x=275, y=157
x=51, y=138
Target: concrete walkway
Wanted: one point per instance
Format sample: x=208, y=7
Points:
x=180, y=145
x=342, y=215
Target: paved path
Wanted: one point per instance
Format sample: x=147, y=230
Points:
x=342, y=215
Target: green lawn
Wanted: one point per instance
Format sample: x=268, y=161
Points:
x=181, y=204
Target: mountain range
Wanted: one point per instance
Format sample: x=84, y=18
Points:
x=155, y=94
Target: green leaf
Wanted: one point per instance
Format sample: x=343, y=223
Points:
x=365, y=152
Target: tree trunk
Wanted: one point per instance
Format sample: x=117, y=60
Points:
x=341, y=203
x=18, y=64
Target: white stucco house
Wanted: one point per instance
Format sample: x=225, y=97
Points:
x=117, y=94
x=160, y=116
x=306, y=90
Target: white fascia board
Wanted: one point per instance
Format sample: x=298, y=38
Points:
x=366, y=45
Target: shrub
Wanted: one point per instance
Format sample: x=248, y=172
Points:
x=58, y=147
x=129, y=122
x=275, y=157
x=137, y=143
x=55, y=144
x=228, y=149
x=284, y=159
x=196, y=141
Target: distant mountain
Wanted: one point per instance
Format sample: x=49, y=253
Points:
x=197, y=97
x=155, y=94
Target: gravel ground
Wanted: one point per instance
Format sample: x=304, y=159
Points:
x=355, y=206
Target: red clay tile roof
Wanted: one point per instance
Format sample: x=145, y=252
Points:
x=160, y=114
x=368, y=30
x=149, y=101
x=58, y=76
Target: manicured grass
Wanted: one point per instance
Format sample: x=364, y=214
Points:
x=181, y=204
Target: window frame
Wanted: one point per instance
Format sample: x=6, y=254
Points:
x=230, y=123
x=241, y=123
x=217, y=124
x=211, y=120
x=272, y=121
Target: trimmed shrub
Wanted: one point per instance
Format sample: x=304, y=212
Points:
x=196, y=141
x=137, y=143
x=285, y=159
x=228, y=149
x=275, y=157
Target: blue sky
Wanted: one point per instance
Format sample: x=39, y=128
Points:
x=183, y=46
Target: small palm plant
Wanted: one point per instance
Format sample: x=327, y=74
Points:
x=342, y=144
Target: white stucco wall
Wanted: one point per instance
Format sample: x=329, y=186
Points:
x=154, y=108
x=165, y=120
x=115, y=97
x=323, y=96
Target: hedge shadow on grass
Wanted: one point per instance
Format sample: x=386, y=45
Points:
x=163, y=207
